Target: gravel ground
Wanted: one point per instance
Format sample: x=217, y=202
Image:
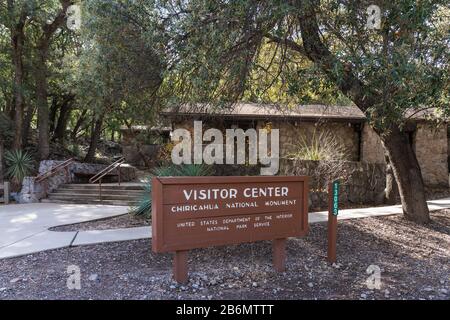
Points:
x=413, y=261
x=123, y=221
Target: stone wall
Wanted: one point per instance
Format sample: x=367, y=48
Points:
x=140, y=147
x=431, y=148
x=372, y=150
x=430, y=143
x=362, y=183
x=140, y=155
x=294, y=134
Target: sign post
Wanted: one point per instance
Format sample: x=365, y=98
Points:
x=180, y=270
x=333, y=211
x=189, y=213
x=279, y=254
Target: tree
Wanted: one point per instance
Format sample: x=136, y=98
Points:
x=16, y=17
x=120, y=72
x=389, y=74
x=33, y=27
x=47, y=31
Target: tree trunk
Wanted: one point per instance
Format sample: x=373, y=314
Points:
x=27, y=124
x=96, y=131
x=1, y=159
x=48, y=30
x=60, y=130
x=78, y=124
x=391, y=191
x=41, y=100
x=52, y=114
x=17, y=42
x=64, y=114
x=407, y=172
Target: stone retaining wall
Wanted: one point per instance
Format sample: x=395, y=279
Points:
x=362, y=183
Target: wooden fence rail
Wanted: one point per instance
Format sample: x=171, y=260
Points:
x=5, y=188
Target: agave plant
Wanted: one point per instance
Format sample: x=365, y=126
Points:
x=144, y=206
x=19, y=164
x=194, y=170
x=165, y=171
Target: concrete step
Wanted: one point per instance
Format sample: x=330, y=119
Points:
x=87, y=201
x=105, y=186
x=134, y=193
x=125, y=194
x=105, y=196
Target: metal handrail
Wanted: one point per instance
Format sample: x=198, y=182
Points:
x=52, y=171
x=107, y=170
x=99, y=176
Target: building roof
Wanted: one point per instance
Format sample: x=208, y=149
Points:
x=267, y=111
x=253, y=111
x=146, y=128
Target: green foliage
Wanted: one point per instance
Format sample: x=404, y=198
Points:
x=189, y=170
x=144, y=206
x=75, y=149
x=253, y=50
x=196, y=170
x=120, y=70
x=6, y=128
x=19, y=164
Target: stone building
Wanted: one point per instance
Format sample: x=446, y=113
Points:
x=345, y=124
x=140, y=143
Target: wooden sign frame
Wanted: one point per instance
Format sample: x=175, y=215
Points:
x=167, y=196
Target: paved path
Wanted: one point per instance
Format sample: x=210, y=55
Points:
x=24, y=228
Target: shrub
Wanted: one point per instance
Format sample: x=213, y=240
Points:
x=19, y=164
x=144, y=206
x=322, y=146
x=329, y=152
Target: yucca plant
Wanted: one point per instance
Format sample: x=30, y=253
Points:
x=144, y=206
x=194, y=170
x=165, y=171
x=19, y=164
x=321, y=146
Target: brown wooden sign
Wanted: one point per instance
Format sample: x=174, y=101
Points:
x=197, y=212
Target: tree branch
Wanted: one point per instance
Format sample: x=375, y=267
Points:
x=50, y=29
x=319, y=53
x=288, y=43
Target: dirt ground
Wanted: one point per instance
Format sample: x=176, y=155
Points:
x=413, y=262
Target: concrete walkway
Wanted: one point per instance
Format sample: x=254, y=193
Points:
x=24, y=228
